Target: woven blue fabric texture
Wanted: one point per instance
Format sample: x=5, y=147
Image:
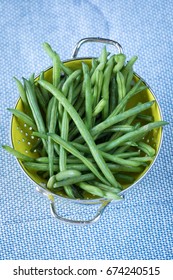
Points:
x=140, y=227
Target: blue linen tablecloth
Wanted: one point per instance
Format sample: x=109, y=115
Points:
x=141, y=226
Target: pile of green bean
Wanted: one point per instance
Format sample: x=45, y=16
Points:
x=90, y=142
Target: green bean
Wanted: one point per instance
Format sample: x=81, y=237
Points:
x=105, y=87
x=48, y=112
x=121, y=149
x=129, y=79
x=79, y=103
x=56, y=160
x=117, y=168
x=124, y=177
x=23, y=117
x=56, y=70
x=97, y=88
x=83, y=130
x=46, y=160
x=72, y=159
x=73, y=133
x=17, y=154
x=80, y=108
x=64, y=135
x=94, y=63
x=120, y=117
x=77, y=154
x=44, y=91
x=121, y=86
x=56, y=148
x=91, y=189
x=131, y=135
x=136, y=89
x=22, y=93
x=52, y=126
x=124, y=128
x=99, y=108
x=137, y=125
x=51, y=182
x=146, y=148
x=120, y=60
x=98, y=65
x=88, y=96
x=128, y=121
x=31, y=79
x=60, y=111
x=97, y=191
x=102, y=126
x=99, y=80
x=45, y=136
x=35, y=109
x=131, y=143
x=67, y=174
x=65, y=87
x=80, y=147
x=69, y=81
x=112, y=158
x=66, y=70
x=112, y=166
x=35, y=166
x=128, y=72
x=105, y=187
x=129, y=64
x=79, y=166
x=40, y=134
x=74, y=180
x=56, y=62
x=121, y=161
x=113, y=94
x=81, y=114
x=78, y=81
x=128, y=154
x=102, y=59
x=145, y=117
x=142, y=159
x=40, y=99
x=76, y=92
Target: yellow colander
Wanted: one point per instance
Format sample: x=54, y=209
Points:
x=23, y=140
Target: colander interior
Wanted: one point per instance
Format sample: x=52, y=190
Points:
x=24, y=141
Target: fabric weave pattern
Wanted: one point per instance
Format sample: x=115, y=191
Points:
x=141, y=226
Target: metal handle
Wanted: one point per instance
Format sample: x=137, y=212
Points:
x=68, y=221
x=79, y=222
x=96, y=40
